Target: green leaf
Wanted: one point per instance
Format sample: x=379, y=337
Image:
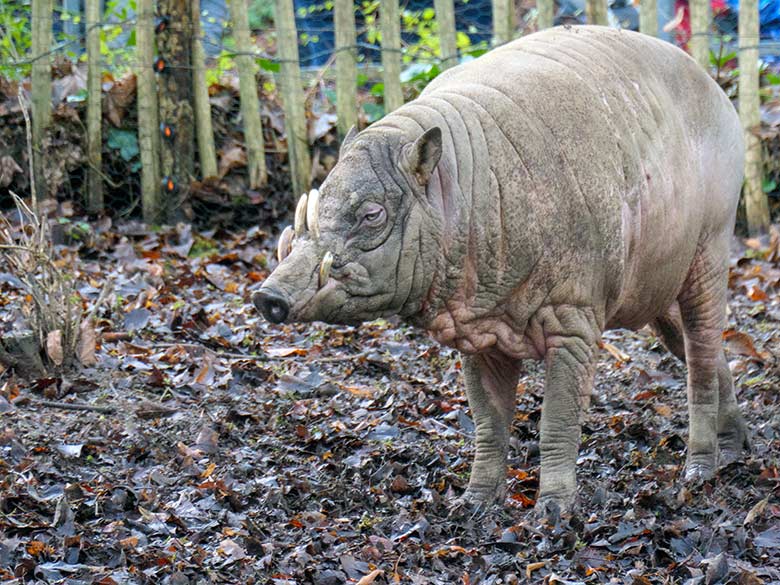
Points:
x=373, y=111
x=362, y=79
x=773, y=78
x=378, y=89
x=269, y=65
x=125, y=141
x=769, y=185
x=428, y=14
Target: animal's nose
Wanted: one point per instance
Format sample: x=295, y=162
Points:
x=272, y=305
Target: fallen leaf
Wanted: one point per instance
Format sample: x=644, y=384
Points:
x=533, y=567
x=35, y=547
x=741, y=343
x=54, y=347
x=85, y=348
x=756, y=511
x=371, y=577
x=615, y=352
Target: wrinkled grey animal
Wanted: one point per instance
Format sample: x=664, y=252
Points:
x=576, y=180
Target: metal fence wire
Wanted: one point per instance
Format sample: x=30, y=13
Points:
x=225, y=199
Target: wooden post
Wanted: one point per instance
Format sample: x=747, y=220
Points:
x=346, y=64
x=94, y=110
x=700, y=29
x=596, y=12
x=648, y=17
x=448, y=40
x=148, y=116
x=250, y=104
x=546, y=10
x=200, y=90
x=503, y=21
x=390, y=22
x=41, y=89
x=291, y=86
x=756, y=201
x=174, y=95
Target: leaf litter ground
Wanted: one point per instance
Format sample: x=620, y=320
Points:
x=216, y=448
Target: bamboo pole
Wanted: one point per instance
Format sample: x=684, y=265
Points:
x=503, y=21
x=148, y=118
x=250, y=104
x=546, y=15
x=700, y=29
x=390, y=23
x=756, y=201
x=448, y=40
x=41, y=89
x=596, y=12
x=292, y=97
x=346, y=65
x=174, y=98
x=648, y=17
x=206, y=150
x=94, y=110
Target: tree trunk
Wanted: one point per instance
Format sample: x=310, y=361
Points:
x=596, y=12
x=503, y=21
x=292, y=96
x=250, y=105
x=94, y=110
x=346, y=65
x=42, y=11
x=448, y=40
x=756, y=201
x=206, y=149
x=546, y=16
x=148, y=115
x=174, y=87
x=648, y=17
x=700, y=29
x=390, y=21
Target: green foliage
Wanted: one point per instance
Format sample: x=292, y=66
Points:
x=15, y=37
x=261, y=13
x=126, y=142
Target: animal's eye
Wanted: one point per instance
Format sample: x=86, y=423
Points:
x=373, y=216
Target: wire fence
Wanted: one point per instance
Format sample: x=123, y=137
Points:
x=225, y=198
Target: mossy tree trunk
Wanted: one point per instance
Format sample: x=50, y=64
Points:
x=174, y=93
x=94, y=110
x=250, y=104
x=390, y=22
x=206, y=150
x=756, y=201
x=291, y=86
x=42, y=11
x=148, y=115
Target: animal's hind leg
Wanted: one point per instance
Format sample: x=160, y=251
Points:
x=733, y=435
x=703, y=313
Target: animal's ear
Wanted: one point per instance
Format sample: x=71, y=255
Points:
x=348, y=139
x=421, y=157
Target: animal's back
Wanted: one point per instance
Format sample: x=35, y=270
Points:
x=626, y=146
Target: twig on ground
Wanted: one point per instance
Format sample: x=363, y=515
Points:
x=75, y=406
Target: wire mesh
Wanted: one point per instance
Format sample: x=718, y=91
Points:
x=225, y=199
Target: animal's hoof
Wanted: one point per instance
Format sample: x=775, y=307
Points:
x=734, y=442
x=476, y=501
x=697, y=472
x=551, y=508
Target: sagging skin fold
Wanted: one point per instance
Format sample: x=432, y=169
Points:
x=573, y=181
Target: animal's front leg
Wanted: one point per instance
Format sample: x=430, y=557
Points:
x=491, y=384
x=570, y=365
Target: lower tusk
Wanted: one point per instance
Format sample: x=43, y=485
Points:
x=327, y=262
x=285, y=243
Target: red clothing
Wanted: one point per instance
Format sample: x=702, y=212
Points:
x=683, y=30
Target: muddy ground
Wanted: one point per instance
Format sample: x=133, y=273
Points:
x=217, y=448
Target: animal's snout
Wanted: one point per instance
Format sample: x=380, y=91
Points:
x=272, y=305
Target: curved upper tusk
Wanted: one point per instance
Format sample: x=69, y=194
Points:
x=300, y=215
x=285, y=243
x=327, y=262
x=313, y=213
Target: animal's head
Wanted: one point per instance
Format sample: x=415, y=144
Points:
x=358, y=249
